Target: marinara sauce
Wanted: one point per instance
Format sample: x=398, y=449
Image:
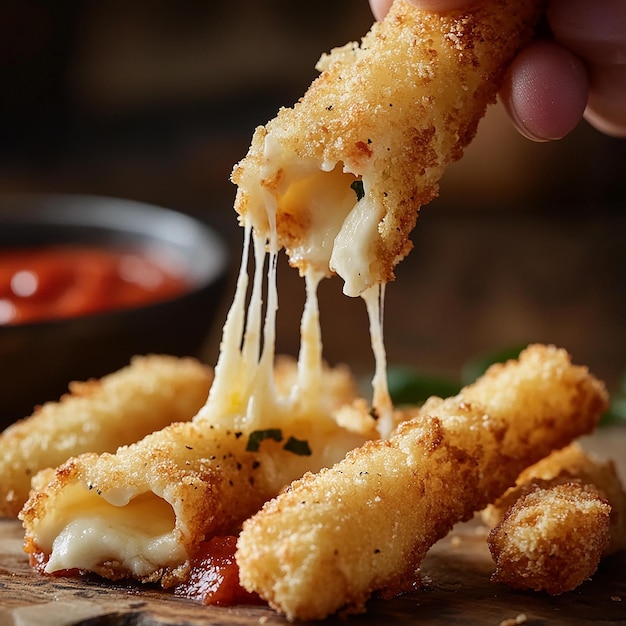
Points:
x=56, y=282
x=214, y=575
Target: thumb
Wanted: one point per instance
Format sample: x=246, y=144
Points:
x=381, y=7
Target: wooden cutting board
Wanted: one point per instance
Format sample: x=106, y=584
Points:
x=456, y=590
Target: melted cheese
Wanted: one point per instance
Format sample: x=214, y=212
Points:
x=88, y=542
x=337, y=235
x=88, y=532
x=374, y=298
x=138, y=532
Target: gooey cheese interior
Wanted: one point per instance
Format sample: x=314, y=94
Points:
x=335, y=228
x=335, y=237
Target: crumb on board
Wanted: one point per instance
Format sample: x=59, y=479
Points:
x=513, y=621
x=616, y=598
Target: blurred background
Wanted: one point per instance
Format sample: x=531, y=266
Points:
x=155, y=100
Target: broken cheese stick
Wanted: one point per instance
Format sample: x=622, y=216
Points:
x=551, y=530
x=571, y=464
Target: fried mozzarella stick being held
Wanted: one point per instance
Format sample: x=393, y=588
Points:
x=344, y=172
x=550, y=531
x=364, y=525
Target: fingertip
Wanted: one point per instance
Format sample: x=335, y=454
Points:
x=606, y=110
x=380, y=8
x=545, y=92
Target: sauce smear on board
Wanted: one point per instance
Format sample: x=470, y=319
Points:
x=214, y=575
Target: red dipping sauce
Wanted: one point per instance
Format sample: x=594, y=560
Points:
x=58, y=282
x=214, y=575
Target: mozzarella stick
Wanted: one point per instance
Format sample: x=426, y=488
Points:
x=99, y=416
x=142, y=512
x=347, y=168
x=364, y=525
x=551, y=530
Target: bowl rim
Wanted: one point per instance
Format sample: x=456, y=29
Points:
x=108, y=214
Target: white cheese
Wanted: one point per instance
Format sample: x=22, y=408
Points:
x=89, y=532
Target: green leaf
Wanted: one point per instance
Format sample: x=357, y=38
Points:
x=616, y=414
x=477, y=366
x=297, y=446
x=407, y=386
x=257, y=436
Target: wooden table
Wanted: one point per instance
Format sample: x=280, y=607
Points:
x=456, y=590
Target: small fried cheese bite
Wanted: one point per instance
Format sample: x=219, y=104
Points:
x=364, y=525
x=348, y=167
x=571, y=464
x=99, y=416
x=551, y=529
x=142, y=512
x=552, y=538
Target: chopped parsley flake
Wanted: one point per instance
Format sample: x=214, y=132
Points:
x=357, y=186
x=298, y=446
x=257, y=436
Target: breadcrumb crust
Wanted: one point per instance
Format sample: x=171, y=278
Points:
x=393, y=111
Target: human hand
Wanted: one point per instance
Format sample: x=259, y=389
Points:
x=552, y=84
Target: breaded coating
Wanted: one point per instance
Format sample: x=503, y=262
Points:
x=142, y=512
x=552, y=538
x=364, y=525
x=551, y=529
x=99, y=416
x=392, y=113
x=571, y=464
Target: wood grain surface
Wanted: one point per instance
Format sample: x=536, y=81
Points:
x=456, y=589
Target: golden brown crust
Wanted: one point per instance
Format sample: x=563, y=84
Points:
x=571, y=464
x=394, y=111
x=551, y=529
x=552, y=538
x=99, y=416
x=198, y=475
x=365, y=524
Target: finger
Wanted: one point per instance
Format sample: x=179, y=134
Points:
x=545, y=91
x=381, y=7
x=595, y=31
x=442, y=5
x=607, y=96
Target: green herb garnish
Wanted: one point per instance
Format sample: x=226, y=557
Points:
x=298, y=446
x=409, y=386
x=257, y=436
x=477, y=366
x=357, y=186
x=616, y=415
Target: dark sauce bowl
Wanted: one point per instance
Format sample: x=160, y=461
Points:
x=38, y=360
